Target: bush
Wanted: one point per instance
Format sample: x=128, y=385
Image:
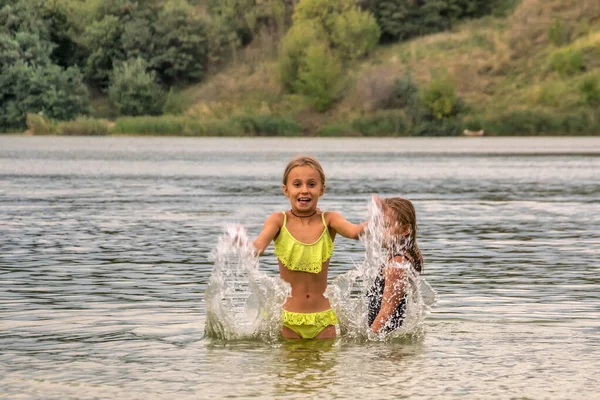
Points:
x=540, y=123
x=567, y=62
x=102, y=40
x=322, y=12
x=440, y=100
x=336, y=129
x=382, y=124
x=355, y=33
x=266, y=125
x=439, y=127
x=589, y=90
x=38, y=125
x=180, y=44
x=405, y=94
x=55, y=92
x=293, y=51
x=319, y=76
x=400, y=19
x=175, y=104
x=83, y=126
x=223, y=128
x=558, y=34
x=149, y=125
x=134, y=91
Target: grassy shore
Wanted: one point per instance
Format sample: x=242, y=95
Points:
x=536, y=72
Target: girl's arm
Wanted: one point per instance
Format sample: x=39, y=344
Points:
x=343, y=227
x=393, y=292
x=270, y=228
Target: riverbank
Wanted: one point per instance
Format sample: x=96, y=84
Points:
x=379, y=125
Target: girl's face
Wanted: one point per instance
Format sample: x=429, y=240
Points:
x=394, y=231
x=303, y=188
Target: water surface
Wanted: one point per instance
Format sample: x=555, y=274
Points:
x=104, y=262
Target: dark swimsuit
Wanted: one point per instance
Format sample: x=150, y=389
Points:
x=375, y=296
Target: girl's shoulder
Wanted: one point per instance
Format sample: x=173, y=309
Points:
x=399, y=261
x=329, y=216
x=277, y=218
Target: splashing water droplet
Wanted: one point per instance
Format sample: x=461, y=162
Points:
x=241, y=301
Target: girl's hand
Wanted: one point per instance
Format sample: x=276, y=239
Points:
x=237, y=236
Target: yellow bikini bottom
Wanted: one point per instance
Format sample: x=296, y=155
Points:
x=309, y=325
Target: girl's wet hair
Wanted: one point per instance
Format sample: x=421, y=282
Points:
x=302, y=161
x=406, y=216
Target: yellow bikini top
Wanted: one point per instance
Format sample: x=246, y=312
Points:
x=305, y=257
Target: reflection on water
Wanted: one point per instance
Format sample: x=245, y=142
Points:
x=305, y=368
x=104, y=246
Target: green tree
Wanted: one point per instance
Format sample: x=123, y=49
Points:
x=355, y=33
x=134, y=90
x=55, y=92
x=440, y=100
x=319, y=76
x=30, y=80
x=248, y=17
x=103, y=42
x=293, y=50
x=324, y=12
x=180, y=43
x=402, y=19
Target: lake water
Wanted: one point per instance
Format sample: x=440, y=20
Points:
x=104, y=246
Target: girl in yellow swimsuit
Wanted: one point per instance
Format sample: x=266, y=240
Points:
x=304, y=238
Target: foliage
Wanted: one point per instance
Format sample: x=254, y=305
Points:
x=438, y=127
x=170, y=36
x=266, y=125
x=222, y=42
x=103, y=41
x=440, y=100
x=322, y=12
x=83, y=126
x=241, y=125
x=567, y=61
x=403, y=19
x=25, y=47
x=38, y=125
x=355, y=33
x=325, y=33
x=180, y=47
x=405, y=94
x=293, y=51
x=50, y=90
x=541, y=123
x=335, y=129
x=382, y=124
x=248, y=17
x=175, y=103
x=165, y=125
x=134, y=91
x=558, y=34
x=589, y=90
x=319, y=76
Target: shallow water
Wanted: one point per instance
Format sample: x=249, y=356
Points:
x=104, y=262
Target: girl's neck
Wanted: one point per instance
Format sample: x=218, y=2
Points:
x=303, y=216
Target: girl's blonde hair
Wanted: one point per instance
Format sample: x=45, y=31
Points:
x=302, y=161
x=406, y=216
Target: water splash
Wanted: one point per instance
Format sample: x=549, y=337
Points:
x=241, y=301
x=348, y=292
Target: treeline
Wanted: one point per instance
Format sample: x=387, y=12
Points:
x=55, y=53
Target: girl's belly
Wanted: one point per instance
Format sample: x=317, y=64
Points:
x=306, y=303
